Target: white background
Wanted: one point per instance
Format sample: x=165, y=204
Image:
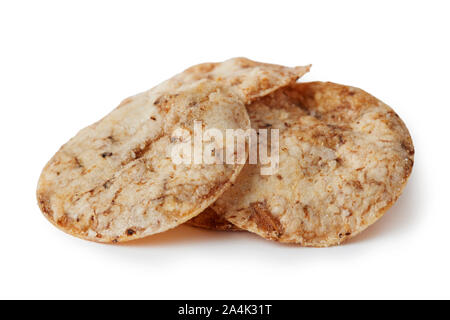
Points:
x=65, y=64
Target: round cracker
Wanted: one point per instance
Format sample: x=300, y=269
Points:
x=115, y=180
x=345, y=158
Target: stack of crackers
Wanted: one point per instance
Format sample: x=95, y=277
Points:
x=343, y=159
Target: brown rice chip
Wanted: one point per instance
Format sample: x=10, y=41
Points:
x=345, y=158
x=115, y=180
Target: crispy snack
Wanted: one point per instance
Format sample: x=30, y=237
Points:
x=115, y=180
x=209, y=219
x=345, y=158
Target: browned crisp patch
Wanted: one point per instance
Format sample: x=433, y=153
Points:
x=164, y=102
x=265, y=220
x=130, y=232
x=44, y=204
x=209, y=219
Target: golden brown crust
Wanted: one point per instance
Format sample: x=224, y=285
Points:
x=115, y=181
x=345, y=158
x=209, y=219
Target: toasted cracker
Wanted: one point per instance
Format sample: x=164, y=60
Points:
x=345, y=158
x=115, y=181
